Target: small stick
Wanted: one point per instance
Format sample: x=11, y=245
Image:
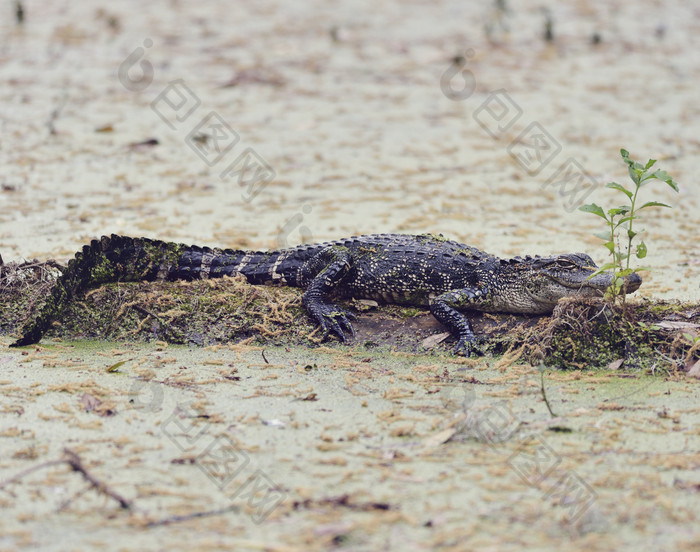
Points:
x=76, y=464
x=544, y=394
x=21, y=474
x=195, y=515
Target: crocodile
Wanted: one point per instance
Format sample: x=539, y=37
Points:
x=420, y=270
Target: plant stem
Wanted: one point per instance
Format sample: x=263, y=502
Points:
x=616, y=258
x=544, y=394
x=629, y=238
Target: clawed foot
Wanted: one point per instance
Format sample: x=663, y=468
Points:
x=28, y=338
x=466, y=345
x=334, y=319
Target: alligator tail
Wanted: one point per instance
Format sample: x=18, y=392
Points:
x=124, y=259
x=110, y=259
x=259, y=267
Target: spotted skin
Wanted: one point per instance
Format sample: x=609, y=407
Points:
x=424, y=270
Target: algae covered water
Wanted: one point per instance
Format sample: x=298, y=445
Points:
x=262, y=125
x=285, y=449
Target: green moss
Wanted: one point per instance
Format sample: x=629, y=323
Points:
x=464, y=251
x=664, y=308
x=168, y=252
x=425, y=238
x=363, y=251
x=410, y=312
x=200, y=312
x=103, y=271
x=600, y=340
x=154, y=255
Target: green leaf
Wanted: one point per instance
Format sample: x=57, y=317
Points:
x=616, y=186
x=618, y=211
x=689, y=337
x=626, y=156
x=114, y=367
x=660, y=175
x=653, y=204
x=665, y=177
x=625, y=272
x=625, y=219
x=593, y=208
x=635, y=174
x=611, y=246
x=602, y=235
x=649, y=164
x=631, y=234
x=607, y=267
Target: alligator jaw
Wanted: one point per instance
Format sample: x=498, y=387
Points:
x=570, y=275
x=601, y=283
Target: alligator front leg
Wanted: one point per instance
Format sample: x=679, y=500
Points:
x=334, y=263
x=444, y=308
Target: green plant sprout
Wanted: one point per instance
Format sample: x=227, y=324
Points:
x=624, y=216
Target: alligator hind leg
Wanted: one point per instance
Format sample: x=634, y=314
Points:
x=444, y=308
x=323, y=272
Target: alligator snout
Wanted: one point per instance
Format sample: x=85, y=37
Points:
x=601, y=282
x=632, y=282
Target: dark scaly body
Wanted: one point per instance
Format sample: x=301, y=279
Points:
x=414, y=270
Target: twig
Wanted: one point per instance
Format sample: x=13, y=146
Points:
x=23, y=473
x=76, y=464
x=544, y=394
x=195, y=515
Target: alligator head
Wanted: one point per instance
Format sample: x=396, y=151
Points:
x=535, y=284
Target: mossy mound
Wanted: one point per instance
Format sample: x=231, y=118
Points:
x=643, y=335
x=579, y=334
x=202, y=312
x=24, y=286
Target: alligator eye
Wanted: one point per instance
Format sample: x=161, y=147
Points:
x=565, y=265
